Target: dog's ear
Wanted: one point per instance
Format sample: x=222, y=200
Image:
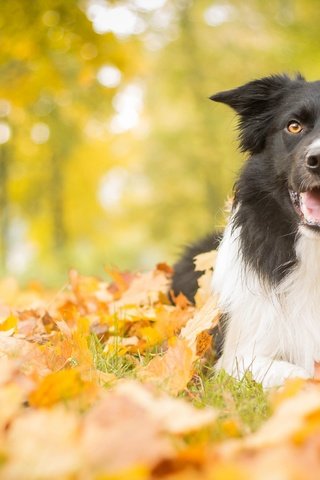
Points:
x=255, y=103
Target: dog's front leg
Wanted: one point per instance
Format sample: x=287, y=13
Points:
x=265, y=370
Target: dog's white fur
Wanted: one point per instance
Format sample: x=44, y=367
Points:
x=272, y=332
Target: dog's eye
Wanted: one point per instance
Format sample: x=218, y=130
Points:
x=294, y=127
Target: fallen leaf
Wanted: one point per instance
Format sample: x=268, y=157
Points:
x=144, y=289
x=180, y=300
x=286, y=421
x=11, y=400
x=10, y=323
x=60, y=386
x=205, y=261
x=120, y=434
x=43, y=444
x=164, y=267
x=204, y=343
x=173, y=370
x=204, y=319
x=174, y=415
x=204, y=291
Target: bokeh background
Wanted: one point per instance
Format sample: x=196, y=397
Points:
x=110, y=151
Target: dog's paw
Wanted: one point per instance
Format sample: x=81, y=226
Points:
x=265, y=370
x=279, y=372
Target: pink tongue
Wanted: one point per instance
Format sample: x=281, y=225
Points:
x=310, y=205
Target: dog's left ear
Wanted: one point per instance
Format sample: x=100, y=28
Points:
x=255, y=103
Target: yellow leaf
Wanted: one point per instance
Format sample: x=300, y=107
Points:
x=229, y=471
x=10, y=323
x=288, y=419
x=59, y=386
x=11, y=399
x=291, y=387
x=173, y=370
x=231, y=428
x=151, y=335
x=134, y=473
x=311, y=427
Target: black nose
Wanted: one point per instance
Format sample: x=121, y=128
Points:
x=313, y=163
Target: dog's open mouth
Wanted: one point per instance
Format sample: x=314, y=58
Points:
x=307, y=205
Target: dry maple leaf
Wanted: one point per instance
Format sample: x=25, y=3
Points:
x=44, y=445
x=31, y=358
x=61, y=386
x=11, y=400
x=204, y=319
x=174, y=415
x=144, y=289
x=205, y=261
x=119, y=434
x=72, y=347
x=204, y=291
x=90, y=292
x=180, y=300
x=173, y=370
x=287, y=421
x=169, y=320
x=164, y=267
x=120, y=281
x=204, y=343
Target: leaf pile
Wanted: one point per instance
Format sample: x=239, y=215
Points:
x=104, y=380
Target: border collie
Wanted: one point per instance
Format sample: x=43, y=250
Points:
x=267, y=273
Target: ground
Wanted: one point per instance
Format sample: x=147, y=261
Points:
x=109, y=380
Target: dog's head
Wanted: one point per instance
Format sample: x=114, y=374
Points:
x=280, y=127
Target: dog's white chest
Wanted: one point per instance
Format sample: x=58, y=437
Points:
x=300, y=298
x=280, y=323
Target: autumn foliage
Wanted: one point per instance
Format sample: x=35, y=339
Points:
x=97, y=381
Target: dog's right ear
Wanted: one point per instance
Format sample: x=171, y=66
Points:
x=255, y=103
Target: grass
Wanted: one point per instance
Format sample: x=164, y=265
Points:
x=243, y=405
x=119, y=365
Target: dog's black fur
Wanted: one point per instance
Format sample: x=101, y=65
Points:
x=185, y=278
x=267, y=218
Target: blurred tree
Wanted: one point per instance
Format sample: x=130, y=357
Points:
x=50, y=59
x=110, y=150
x=191, y=156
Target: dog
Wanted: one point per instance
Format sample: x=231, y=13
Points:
x=267, y=271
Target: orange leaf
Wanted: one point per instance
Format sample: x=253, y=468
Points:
x=180, y=300
x=164, y=267
x=204, y=343
x=59, y=386
x=173, y=370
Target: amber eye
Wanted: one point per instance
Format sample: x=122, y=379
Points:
x=294, y=127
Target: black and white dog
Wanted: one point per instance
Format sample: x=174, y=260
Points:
x=267, y=273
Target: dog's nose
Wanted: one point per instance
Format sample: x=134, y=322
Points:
x=313, y=163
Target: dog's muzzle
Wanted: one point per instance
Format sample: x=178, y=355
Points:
x=307, y=206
